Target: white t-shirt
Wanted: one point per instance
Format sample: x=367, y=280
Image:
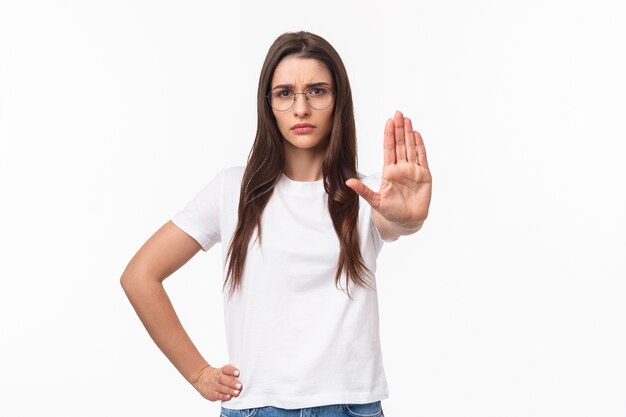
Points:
x=297, y=339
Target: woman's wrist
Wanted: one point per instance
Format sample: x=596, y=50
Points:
x=193, y=379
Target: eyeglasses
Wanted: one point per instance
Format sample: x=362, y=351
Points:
x=282, y=99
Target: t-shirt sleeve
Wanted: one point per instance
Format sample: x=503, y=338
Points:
x=200, y=218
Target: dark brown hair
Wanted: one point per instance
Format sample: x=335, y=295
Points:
x=266, y=162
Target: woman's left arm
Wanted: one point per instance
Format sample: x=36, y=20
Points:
x=401, y=204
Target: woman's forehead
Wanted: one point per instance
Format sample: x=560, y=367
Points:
x=293, y=70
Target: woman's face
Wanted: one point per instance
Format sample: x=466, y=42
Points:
x=303, y=126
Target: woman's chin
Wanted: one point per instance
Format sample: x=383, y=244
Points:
x=306, y=142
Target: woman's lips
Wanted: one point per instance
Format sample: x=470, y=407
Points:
x=302, y=128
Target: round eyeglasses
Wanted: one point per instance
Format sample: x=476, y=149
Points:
x=282, y=99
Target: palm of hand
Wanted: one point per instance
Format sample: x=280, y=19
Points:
x=406, y=184
x=404, y=194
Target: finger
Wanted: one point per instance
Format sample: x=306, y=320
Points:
x=234, y=392
x=229, y=381
x=364, y=191
x=410, y=141
x=223, y=397
x=230, y=370
x=225, y=390
x=421, y=150
x=398, y=121
x=389, y=149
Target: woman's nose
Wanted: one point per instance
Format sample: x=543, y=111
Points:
x=301, y=105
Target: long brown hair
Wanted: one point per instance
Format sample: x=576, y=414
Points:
x=266, y=162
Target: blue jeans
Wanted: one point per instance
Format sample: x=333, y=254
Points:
x=338, y=410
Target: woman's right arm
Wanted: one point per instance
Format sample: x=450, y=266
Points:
x=164, y=253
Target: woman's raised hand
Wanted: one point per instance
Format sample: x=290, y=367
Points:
x=405, y=188
x=218, y=384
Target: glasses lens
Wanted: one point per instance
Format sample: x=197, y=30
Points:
x=281, y=99
x=319, y=97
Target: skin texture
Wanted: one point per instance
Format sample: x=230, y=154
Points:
x=166, y=251
x=401, y=204
x=304, y=153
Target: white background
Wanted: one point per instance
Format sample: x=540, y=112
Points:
x=509, y=302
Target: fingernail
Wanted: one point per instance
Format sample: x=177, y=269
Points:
x=236, y=373
x=237, y=386
x=236, y=392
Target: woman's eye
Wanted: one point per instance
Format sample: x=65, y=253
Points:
x=317, y=91
x=283, y=93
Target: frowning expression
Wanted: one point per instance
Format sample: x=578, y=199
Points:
x=307, y=124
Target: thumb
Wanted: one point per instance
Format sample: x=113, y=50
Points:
x=364, y=191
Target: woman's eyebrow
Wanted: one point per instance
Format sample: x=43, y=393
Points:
x=309, y=85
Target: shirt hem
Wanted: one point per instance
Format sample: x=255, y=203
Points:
x=307, y=401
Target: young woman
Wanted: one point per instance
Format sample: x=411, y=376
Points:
x=301, y=230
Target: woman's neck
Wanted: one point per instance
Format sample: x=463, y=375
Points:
x=303, y=164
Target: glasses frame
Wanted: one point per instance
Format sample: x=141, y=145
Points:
x=269, y=100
